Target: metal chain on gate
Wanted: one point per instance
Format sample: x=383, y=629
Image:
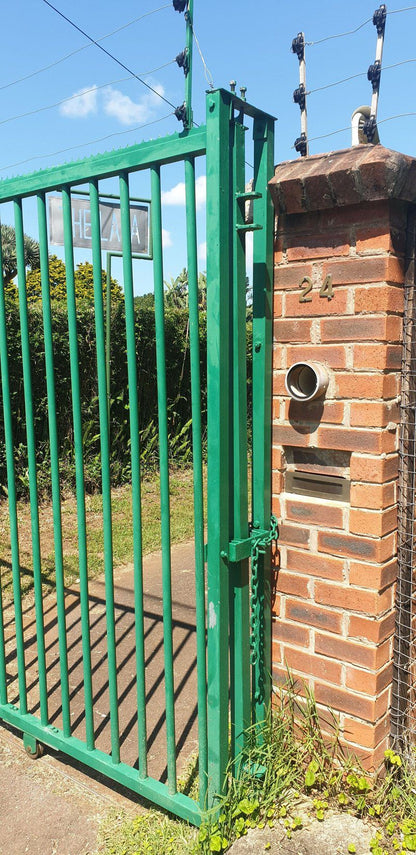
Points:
x=259, y=546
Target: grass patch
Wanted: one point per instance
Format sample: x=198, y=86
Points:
x=181, y=503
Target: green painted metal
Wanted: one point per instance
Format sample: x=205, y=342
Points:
x=164, y=474
x=79, y=467
x=263, y=134
x=53, y=443
x=31, y=454
x=193, y=298
x=233, y=593
x=189, y=17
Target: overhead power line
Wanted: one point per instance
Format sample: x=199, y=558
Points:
x=356, y=29
x=78, y=50
x=81, y=145
x=107, y=53
x=77, y=95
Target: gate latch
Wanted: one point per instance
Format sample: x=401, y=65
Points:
x=257, y=542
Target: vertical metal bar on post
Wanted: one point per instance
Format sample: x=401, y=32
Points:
x=263, y=133
x=54, y=453
x=189, y=17
x=79, y=468
x=31, y=454
x=197, y=475
x=239, y=572
x=105, y=471
x=135, y=471
x=164, y=474
x=219, y=382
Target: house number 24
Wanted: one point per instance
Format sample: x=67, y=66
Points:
x=326, y=289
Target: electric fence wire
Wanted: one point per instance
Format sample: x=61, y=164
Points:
x=348, y=128
x=80, y=94
x=359, y=74
x=356, y=29
x=83, y=47
x=208, y=75
x=81, y=145
x=110, y=55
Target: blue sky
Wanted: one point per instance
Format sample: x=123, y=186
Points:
x=239, y=40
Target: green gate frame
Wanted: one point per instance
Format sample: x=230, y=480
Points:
x=234, y=631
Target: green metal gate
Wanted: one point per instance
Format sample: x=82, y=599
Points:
x=232, y=595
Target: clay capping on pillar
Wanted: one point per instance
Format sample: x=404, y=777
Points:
x=347, y=177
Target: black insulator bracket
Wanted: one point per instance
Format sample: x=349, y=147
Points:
x=182, y=60
x=301, y=145
x=181, y=113
x=298, y=46
x=299, y=96
x=374, y=74
x=180, y=5
x=379, y=19
x=369, y=128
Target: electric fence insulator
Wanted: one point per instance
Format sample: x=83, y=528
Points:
x=301, y=145
x=182, y=60
x=369, y=128
x=299, y=96
x=379, y=19
x=180, y=5
x=298, y=46
x=374, y=75
x=180, y=113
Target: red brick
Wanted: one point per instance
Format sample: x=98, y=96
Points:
x=288, y=435
x=381, y=298
x=309, y=664
x=345, y=701
x=373, y=413
x=373, y=496
x=377, y=356
x=289, y=276
x=291, y=632
x=351, y=546
x=374, y=469
x=333, y=356
x=277, y=305
x=278, y=459
x=373, y=523
x=331, y=412
x=351, y=385
x=277, y=483
x=371, y=629
x=293, y=330
x=372, y=760
x=311, y=615
x=318, y=305
x=349, y=651
x=322, y=566
x=362, y=328
x=278, y=357
x=355, y=270
x=365, y=734
x=370, y=238
x=293, y=583
x=318, y=245
x=376, y=576
x=314, y=513
x=356, y=439
x=294, y=535
x=352, y=599
x=368, y=682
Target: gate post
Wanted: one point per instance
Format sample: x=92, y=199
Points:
x=340, y=261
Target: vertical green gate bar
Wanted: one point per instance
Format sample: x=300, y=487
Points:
x=263, y=213
x=53, y=445
x=79, y=466
x=135, y=472
x=31, y=454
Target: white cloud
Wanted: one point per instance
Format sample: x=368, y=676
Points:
x=80, y=104
x=202, y=252
x=127, y=111
x=176, y=195
x=166, y=239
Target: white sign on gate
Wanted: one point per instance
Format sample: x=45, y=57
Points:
x=110, y=225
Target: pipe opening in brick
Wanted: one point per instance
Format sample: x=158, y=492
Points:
x=305, y=381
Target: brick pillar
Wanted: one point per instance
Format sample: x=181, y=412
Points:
x=341, y=215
